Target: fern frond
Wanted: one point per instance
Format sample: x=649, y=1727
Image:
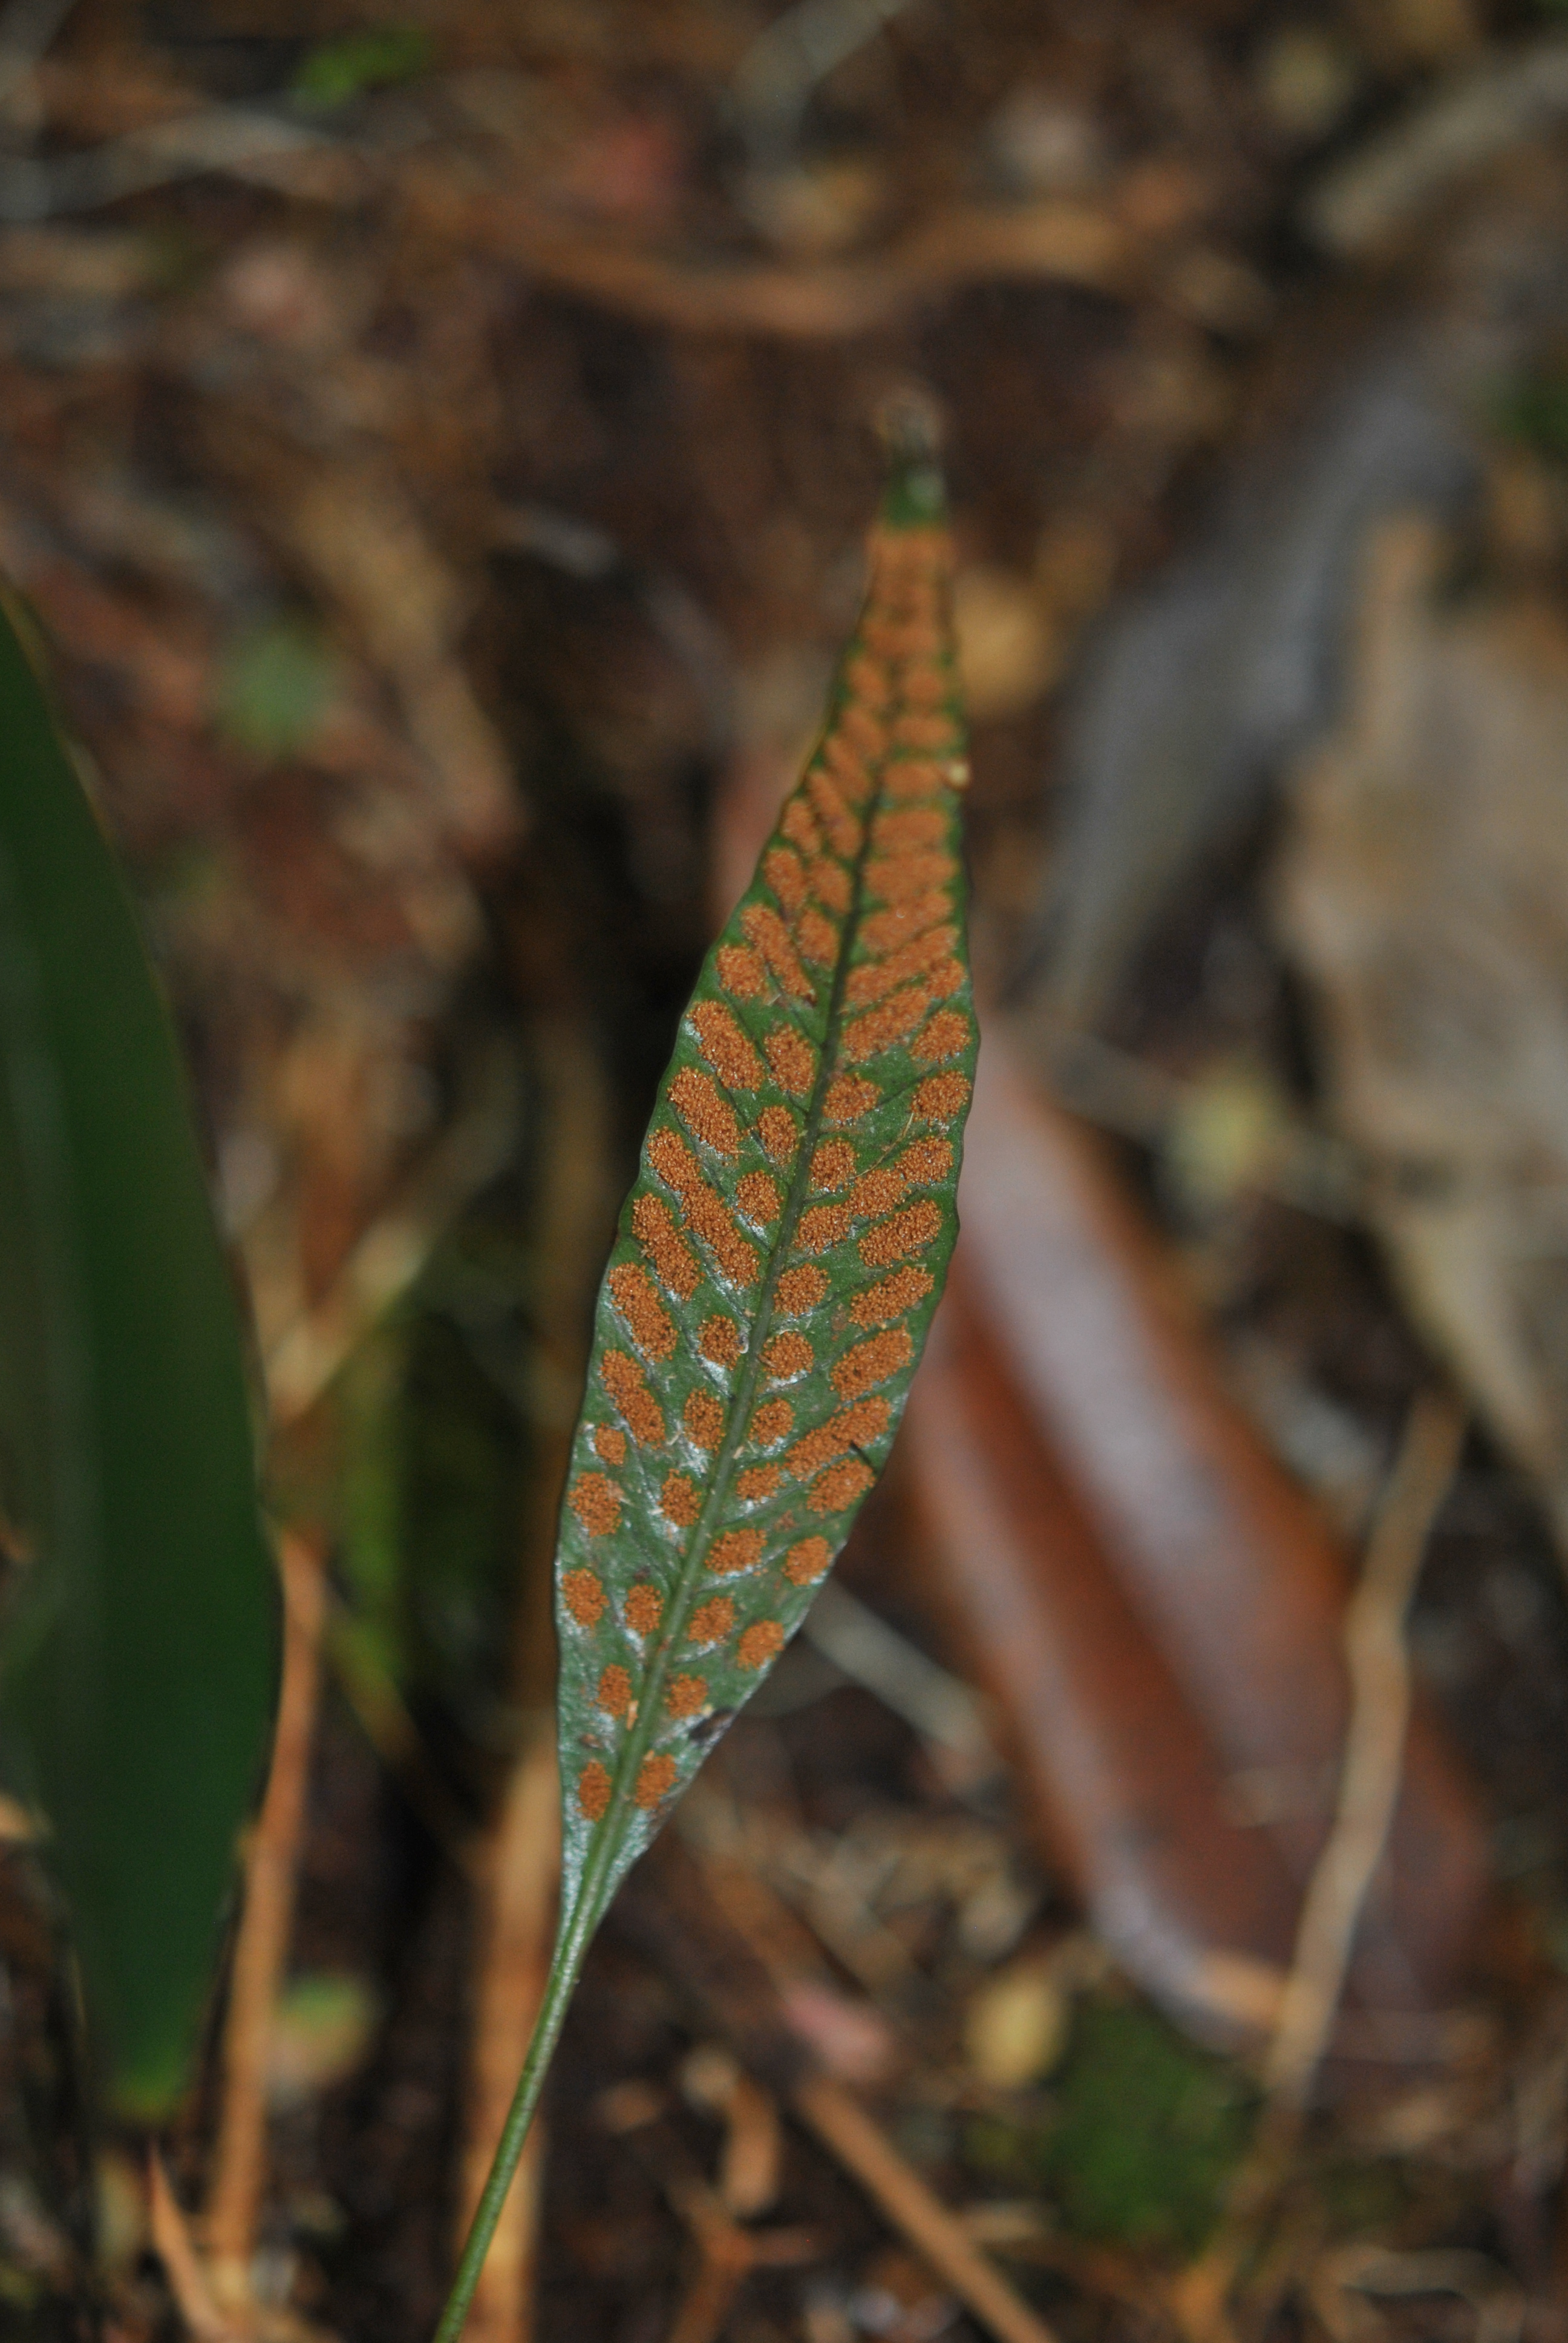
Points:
x=782, y=1250
x=778, y=1258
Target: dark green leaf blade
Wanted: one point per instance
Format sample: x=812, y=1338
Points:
x=782, y=1251
x=137, y=1623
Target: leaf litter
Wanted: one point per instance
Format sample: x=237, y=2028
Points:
x=517, y=280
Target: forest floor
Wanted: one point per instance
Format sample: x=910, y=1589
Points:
x=436, y=452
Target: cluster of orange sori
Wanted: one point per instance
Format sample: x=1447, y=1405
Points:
x=835, y=1006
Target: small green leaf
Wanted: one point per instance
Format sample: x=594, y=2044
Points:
x=275, y=686
x=136, y=1632
x=335, y=71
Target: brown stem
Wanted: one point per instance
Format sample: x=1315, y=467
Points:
x=188, y=2279
x=239, y=2164
x=514, y=1963
x=1378, y=1666
x=574, y=1213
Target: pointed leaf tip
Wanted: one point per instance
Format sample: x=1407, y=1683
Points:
x=910, y=426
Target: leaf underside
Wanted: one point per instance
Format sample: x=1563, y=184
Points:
x=783, y=1249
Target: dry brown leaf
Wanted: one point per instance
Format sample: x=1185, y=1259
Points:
x=1155, y=1608
x=1424, y=892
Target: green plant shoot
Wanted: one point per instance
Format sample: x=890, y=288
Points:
x=778, y=1260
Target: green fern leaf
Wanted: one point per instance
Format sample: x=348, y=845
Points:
x=782, y=1250
x=778, y=1260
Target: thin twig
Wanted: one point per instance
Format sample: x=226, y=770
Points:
x=239, y=2169
x=518, y=1931
x=1370, y=1776
x=710, y=2298
x=726, y=2257
x=726, y=2252
x=748, y=2181
x=938, y=2236
x=1057, y=237
x=1378, y=1664
x=173, y=2244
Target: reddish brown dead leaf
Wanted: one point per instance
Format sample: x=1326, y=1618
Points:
x=1155, y=1604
